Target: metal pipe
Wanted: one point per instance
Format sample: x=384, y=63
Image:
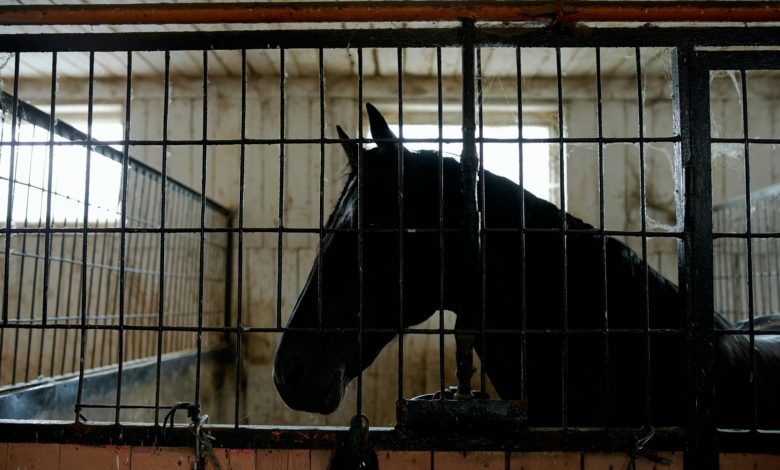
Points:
x=364, y=11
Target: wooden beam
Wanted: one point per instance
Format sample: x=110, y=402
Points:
x=364, y=11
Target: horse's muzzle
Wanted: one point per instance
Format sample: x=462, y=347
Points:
x=304, y=389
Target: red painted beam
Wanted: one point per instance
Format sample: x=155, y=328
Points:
x=363, y=11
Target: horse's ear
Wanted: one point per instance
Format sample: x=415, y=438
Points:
x=379, y=127
x=350, y=149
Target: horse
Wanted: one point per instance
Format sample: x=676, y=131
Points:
x=574, y=321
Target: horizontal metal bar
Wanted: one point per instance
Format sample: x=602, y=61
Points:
x=290, y=437
x=291, y=141
x=405, y=38
x=17, y=324
x=363, y=11
x=747, y=236
x=315, y=231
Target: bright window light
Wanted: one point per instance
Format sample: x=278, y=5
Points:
x=31, y=177
x=500, y=158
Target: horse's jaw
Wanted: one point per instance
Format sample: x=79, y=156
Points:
x=301, y=394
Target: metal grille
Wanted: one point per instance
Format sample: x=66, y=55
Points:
x=84, y=284
x=155, y=278
x=731, y=284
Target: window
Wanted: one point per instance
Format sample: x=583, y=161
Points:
x=68, y=170
x=500, y=158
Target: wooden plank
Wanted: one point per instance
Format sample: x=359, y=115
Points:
x=33, y=456
x=749, y=461
x=614, y=460
x=103, y=457
x=320, y=459
x=469, y=460
x=401, y=460
x=276, y=459
x=162, y=458
x=544, y=460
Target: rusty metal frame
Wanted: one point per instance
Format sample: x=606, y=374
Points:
x=364, y=11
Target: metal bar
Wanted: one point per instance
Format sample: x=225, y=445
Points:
x=84, y=246
x=691, y=86
x=643, y=225
x=320, y=212
x=522, y=228
x=202, y=241
x=163, y=202
x=322, y=12
x=359, y=175
x=123, y=238
x=607, y=399
x=471, y=218
x=271, y=437
x=440, y=196
x=400, y=202
x=564, y=255
x=240, y=266
x=281, y=228
x=482, y=233
x=749, y=243
x=11, y=185
x=360, y=248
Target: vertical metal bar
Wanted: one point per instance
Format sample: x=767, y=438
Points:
x=12, y=156
x=228, y=286
x=123, y=238
x=280, y=239
x=606, y=403
x=84, y=247
x=202, y=242
x=564, y=254
x=401, y=228
x=691, y=92
x=90, y=99
x=521, y=228
x=320, y=224
x=440, y=195
x=320, y=228
x=47, y=232
x=643, y=231
x=163, y=205
x=469, y=168
x=361, y=260
x=11, y=188
x=482, y=230
x=749, y=241
x=240, y=280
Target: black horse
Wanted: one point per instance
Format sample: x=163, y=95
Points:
x=564, y=301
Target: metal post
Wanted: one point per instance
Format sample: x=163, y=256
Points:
x=691, y=88
x=469, y=166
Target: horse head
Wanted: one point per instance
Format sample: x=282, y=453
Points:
x=362, y=289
